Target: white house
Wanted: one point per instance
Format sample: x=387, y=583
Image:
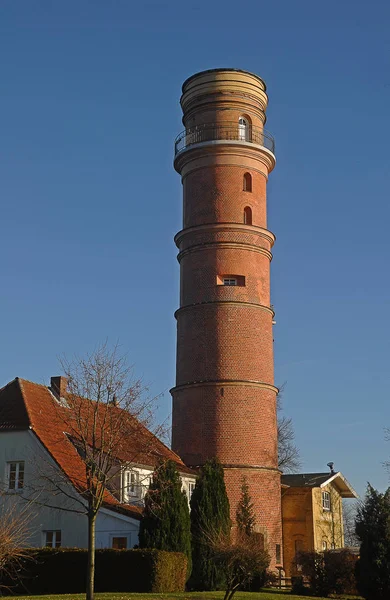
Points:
x=34, y=445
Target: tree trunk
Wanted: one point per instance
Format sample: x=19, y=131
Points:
x=91, y=557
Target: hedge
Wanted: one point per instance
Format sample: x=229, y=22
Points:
x=63, y=571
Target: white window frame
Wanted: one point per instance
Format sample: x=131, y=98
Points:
x=56, y=533
x=191, y=487
x=131, y=487
x=243, y=129
x=230, y=281
x=326, y=502
x=18, y=480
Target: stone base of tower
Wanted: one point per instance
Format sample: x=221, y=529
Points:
x=265, y=492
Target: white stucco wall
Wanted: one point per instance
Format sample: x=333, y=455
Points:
x=109, y=525
x=24, y=446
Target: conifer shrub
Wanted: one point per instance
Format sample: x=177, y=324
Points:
x=165, y=523
x=62, y=571
x=210, y=518
x=245, y=515
x=373, y=531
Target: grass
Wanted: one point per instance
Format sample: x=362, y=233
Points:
x=268, y=595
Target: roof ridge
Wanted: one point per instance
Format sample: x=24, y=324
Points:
x=32, y=382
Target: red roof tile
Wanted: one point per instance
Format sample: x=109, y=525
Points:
x=27, y=405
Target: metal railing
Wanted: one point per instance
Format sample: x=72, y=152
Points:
x=224, y=131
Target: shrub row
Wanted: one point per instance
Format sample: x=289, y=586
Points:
x=63, y=571
x=330, y=572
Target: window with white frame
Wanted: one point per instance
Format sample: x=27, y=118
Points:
x=52, y=539
x=243, y=129
x=191, y=487
x=130, y=484
x=15, y=475
x=326, y=501
x=229, y=281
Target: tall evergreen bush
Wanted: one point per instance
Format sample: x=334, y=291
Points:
x=210, y=517
x=245, y=516
x=166, y=520
x=373, y=531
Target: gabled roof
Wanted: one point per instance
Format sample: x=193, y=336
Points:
x=25, y=405
x=311, y=480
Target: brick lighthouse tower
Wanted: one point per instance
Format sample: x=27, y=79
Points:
x=224, y=401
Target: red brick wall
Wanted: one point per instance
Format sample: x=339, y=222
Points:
x=215, y=194
x=224, y=403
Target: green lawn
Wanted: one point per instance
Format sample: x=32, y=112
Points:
x=274, y=595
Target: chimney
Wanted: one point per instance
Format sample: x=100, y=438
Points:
x=331, y=465
x=58, y=386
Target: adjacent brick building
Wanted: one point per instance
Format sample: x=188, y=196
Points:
x=224, y=401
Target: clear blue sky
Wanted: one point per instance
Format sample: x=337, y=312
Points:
x=90, y=202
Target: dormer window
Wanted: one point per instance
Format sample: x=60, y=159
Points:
x=326, y=505
x=130, y=485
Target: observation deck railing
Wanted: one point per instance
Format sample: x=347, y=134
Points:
x=209, y=132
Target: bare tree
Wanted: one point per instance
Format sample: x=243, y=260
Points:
x=349, y=517
x=288, y=454
x=240, y=560
x=14, y=535
x=103, y=414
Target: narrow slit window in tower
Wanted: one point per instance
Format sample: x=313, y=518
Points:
x=247, y=215
x=247, y=182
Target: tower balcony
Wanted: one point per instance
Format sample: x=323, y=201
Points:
x=224, y=132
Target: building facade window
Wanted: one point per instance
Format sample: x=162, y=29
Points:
x=324, y=545
x=247, y=215
x=247, y=182
x=298, y=547
x=15, y=475
x=278, y=555
x=119, y=542
x=52, y=539
x=191, y=487
x=326, y=505
x=243, y=129
x=130, y=485
x=229, y=281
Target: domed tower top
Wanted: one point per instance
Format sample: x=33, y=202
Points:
x=225, y=90
x=224, y=107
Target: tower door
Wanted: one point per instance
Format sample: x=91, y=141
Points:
x=243, y=129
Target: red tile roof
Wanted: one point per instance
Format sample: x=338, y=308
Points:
x=26, y=405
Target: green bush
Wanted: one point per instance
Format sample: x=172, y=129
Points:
x=63, y=571
x=165, y=521
x=330, y=572
x=210, y=517
x=373, y=531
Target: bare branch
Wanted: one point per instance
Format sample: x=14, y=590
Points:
x=288, y=454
